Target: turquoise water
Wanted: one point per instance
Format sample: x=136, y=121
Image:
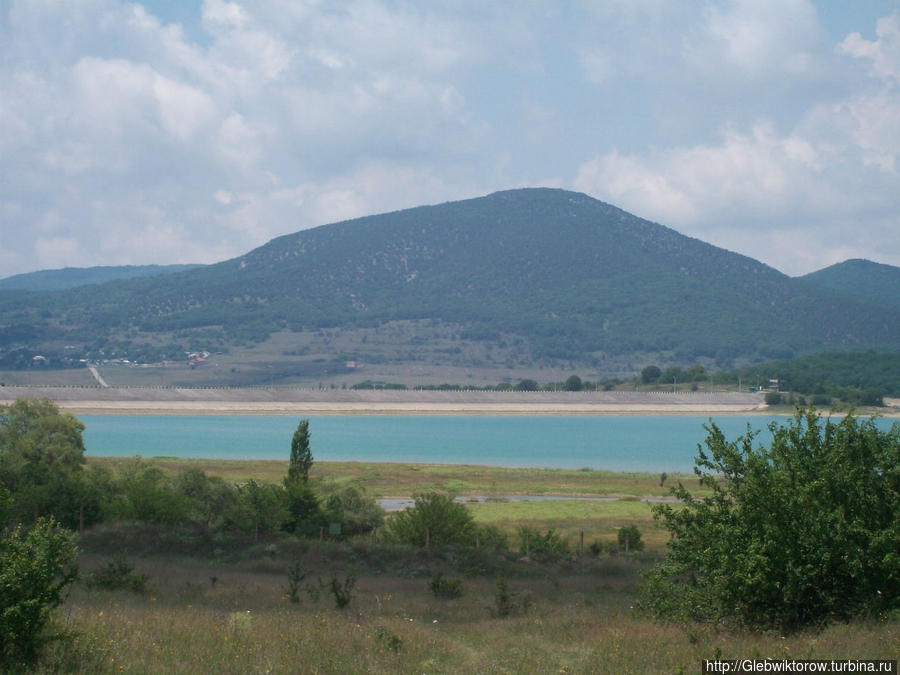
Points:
x=655, y=444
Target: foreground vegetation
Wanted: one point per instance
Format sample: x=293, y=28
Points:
x=183, y=571
x=563, y=617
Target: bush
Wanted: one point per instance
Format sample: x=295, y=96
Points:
x=447, y=589
x=35, y=569
x=118, y=574
x=353, y=511
x=532, y=542
x=492, y=538
x=798, y=534
x=773, y=398
x=629, y=539
x=342, y=591
x=436, y=517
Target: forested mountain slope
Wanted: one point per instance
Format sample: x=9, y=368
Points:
x=570, y=275
x=863, y=279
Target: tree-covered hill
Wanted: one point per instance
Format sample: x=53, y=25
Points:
x=71, y=277
x=570, y=276
x=862, y=279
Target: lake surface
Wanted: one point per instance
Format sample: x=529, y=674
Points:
x=628, y=443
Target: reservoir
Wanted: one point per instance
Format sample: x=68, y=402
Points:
x=626, y=443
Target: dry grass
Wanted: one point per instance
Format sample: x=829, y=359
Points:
x=577, y=621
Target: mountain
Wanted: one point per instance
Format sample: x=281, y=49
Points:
x=862, y=279
x=71, y=277
x=538, y=274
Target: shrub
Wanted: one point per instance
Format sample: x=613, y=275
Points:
x=796, y=534
x=773, y=398
x=35, y=569
x=388, y=639
x=434, y=517
x=507, y=602
x=532, y=542
x=342, y=591
x=491, y=538
x=296, y=575
x=118, y=574
x=629, y=539
x=356, y=513
x=447, y=589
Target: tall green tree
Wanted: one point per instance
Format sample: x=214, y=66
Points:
x=301, y=455
x=41, y=460
x=304, y=511
x=799, y=533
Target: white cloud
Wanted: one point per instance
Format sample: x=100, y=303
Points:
x=125, y=138
x=883, y=53
x=758, y=38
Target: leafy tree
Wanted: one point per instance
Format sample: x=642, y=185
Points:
x=210, y=498
x=435, y=518
x=301, y=456
x=573, y=383
x=41, y=459
x=799, y=533
x=650, y=374
x=35, y=568
x=304, y=514
x=355, y=512
x=527, y=385
x=262, y=508
x=147, y=494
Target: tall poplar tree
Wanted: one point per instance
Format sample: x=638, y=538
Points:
x=301, y=456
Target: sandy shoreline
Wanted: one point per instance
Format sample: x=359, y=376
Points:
x=400, y=409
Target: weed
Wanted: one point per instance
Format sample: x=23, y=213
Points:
x=390, y=641
x=342, y=591
x=295, y=576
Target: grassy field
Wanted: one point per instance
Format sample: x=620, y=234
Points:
x=388, y=479
x=222, y=604
x=574, y=616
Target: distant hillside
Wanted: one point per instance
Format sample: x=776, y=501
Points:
x=863, y=279
x=71, y=277
x=548, y=273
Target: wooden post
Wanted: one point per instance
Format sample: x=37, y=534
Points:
x=477, y=541
x=321, y=532
x=581, y=544
x=427, y=537
x=627, y=542
x=527, y=544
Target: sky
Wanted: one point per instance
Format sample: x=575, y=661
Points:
x=180, y=131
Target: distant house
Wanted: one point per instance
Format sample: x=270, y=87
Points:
x=39, y=360
x=351, y=365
